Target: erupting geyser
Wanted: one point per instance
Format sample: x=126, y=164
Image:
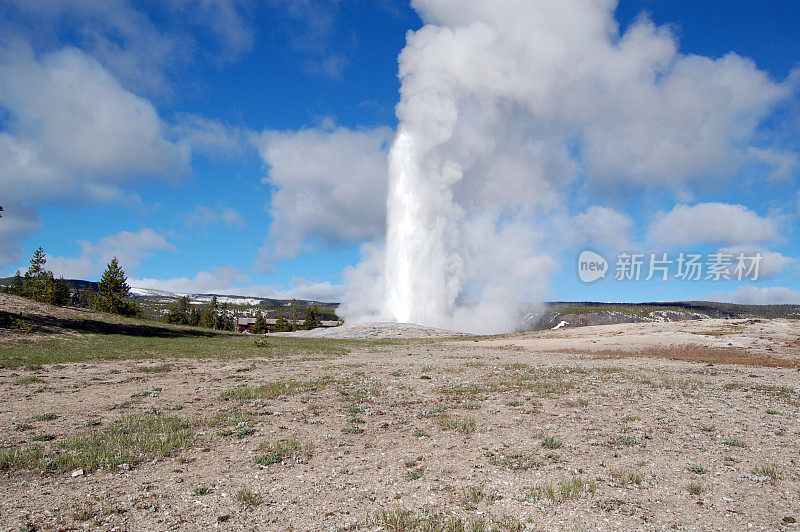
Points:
x=418, y=265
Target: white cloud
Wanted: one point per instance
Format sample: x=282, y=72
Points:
x=13, y=225
x=231, y=281
x=74, y=134
x=129, y=248
x=784, y=163
x=300, y=288
x=751, y=295
x=141, y=52
x=78, y=117
x=711, y=223
x=210, y=137
x=603, y=227
x=772, y=262
x=330, y=185
x=223, y=280
x=205, y=216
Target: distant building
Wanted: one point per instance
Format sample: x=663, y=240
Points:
x=245, y=324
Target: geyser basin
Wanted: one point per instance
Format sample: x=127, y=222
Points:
x=376, y=330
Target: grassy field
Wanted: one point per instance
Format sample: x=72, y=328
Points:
x=34, y=339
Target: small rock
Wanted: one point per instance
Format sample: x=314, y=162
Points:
x=77, y=473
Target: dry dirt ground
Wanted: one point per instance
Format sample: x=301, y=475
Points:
x=557, y=430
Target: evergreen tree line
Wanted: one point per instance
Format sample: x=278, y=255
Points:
x=211, y=316
x=312, y=320
x=40, y=284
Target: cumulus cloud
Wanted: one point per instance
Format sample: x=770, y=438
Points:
x=210, y=137
x=129, y=248
x=77, y=116
x=230, y=280
x=16, y=222
x=224, y=280
x=130, y=44
x=204, y=216
x=751, y=295
x=330, y=185
x=641, y=111
x=73, y=134
x=771, y=263
x=711, y=223
x=603, y=227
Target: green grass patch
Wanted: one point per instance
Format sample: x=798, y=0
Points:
x=28, y=380
x=273, y=390
x=627, y=477
x=154, y=341
x=281, y=451
x=571, y=488
x=131, y=440
x=514, y=460
x=465, y=425
x=552, y=443
x=249, y=499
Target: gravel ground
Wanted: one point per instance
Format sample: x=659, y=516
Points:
x=376, y=330
x=482, y=430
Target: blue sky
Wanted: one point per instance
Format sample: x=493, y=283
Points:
x=241, y=146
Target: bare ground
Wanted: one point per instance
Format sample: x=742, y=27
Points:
x=481, y=429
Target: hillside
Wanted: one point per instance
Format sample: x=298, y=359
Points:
x=581, y=314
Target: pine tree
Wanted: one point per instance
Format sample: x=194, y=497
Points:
x=37, y=279
x=282, y=325
x=85, y=297
x=260, y=326
x=37, y=263
x=18, y=284
x=58, y=292
x=112, y=288
x=312, y=318
x=194, y=317
x=207, y=319
x=293, y=314
x=179, y=313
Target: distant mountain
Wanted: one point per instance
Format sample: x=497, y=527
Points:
x=571, y=314
x=150, y=295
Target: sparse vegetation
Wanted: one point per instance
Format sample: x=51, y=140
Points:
x=696, y=488
x=273, y=389
x=249, y=499
x=399, y=519
x=514, y=460
x=283, y=451
x=552, y=443
x=571, y=488
x=130, y=440
x=452, y=422
x=28, y=380
x=772, y=471
x=625, y=477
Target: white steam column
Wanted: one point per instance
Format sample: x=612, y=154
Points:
x=420, y=262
